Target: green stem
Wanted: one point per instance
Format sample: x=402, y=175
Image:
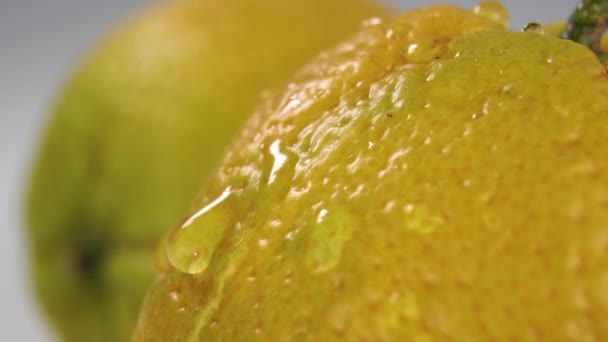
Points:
x=588, y=24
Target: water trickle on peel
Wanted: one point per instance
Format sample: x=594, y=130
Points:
x=534, y=27
x=333, y=226
x=279, y=167
x=191, y=246
x=276, y=183
x=494, y=11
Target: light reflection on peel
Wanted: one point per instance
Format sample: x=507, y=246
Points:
x=279, y=160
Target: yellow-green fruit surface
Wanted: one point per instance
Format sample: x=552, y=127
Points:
x=434, y=178
x=136, y=132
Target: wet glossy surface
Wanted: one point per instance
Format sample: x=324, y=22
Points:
x=442, y=180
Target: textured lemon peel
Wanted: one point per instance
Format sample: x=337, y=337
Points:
x=363, y=116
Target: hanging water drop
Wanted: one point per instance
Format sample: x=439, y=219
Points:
x=534, y=27
x=191, y=246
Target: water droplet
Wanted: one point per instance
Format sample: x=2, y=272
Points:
x=534, y=27
x=276, y=224
x=494, y=11
x=420, y=219
x=290, y=235
x=292, y=104
x=263, y=243
x=390, y=205
x=446, y=149
x=486, y=108
x=333, y=227
x=468, y=128
x=302, y=189
x=191, y=246
x=412, y=48
x=371, y=22
x=426, y=50
x=397, y=162
x=321, y=215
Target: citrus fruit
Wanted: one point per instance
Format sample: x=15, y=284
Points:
x=433, y=178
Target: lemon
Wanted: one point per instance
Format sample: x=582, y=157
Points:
x=135, y=133
x=433, y=178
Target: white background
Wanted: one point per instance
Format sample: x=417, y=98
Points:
x=39, y=41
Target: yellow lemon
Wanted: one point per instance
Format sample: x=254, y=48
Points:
x=433, y=178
